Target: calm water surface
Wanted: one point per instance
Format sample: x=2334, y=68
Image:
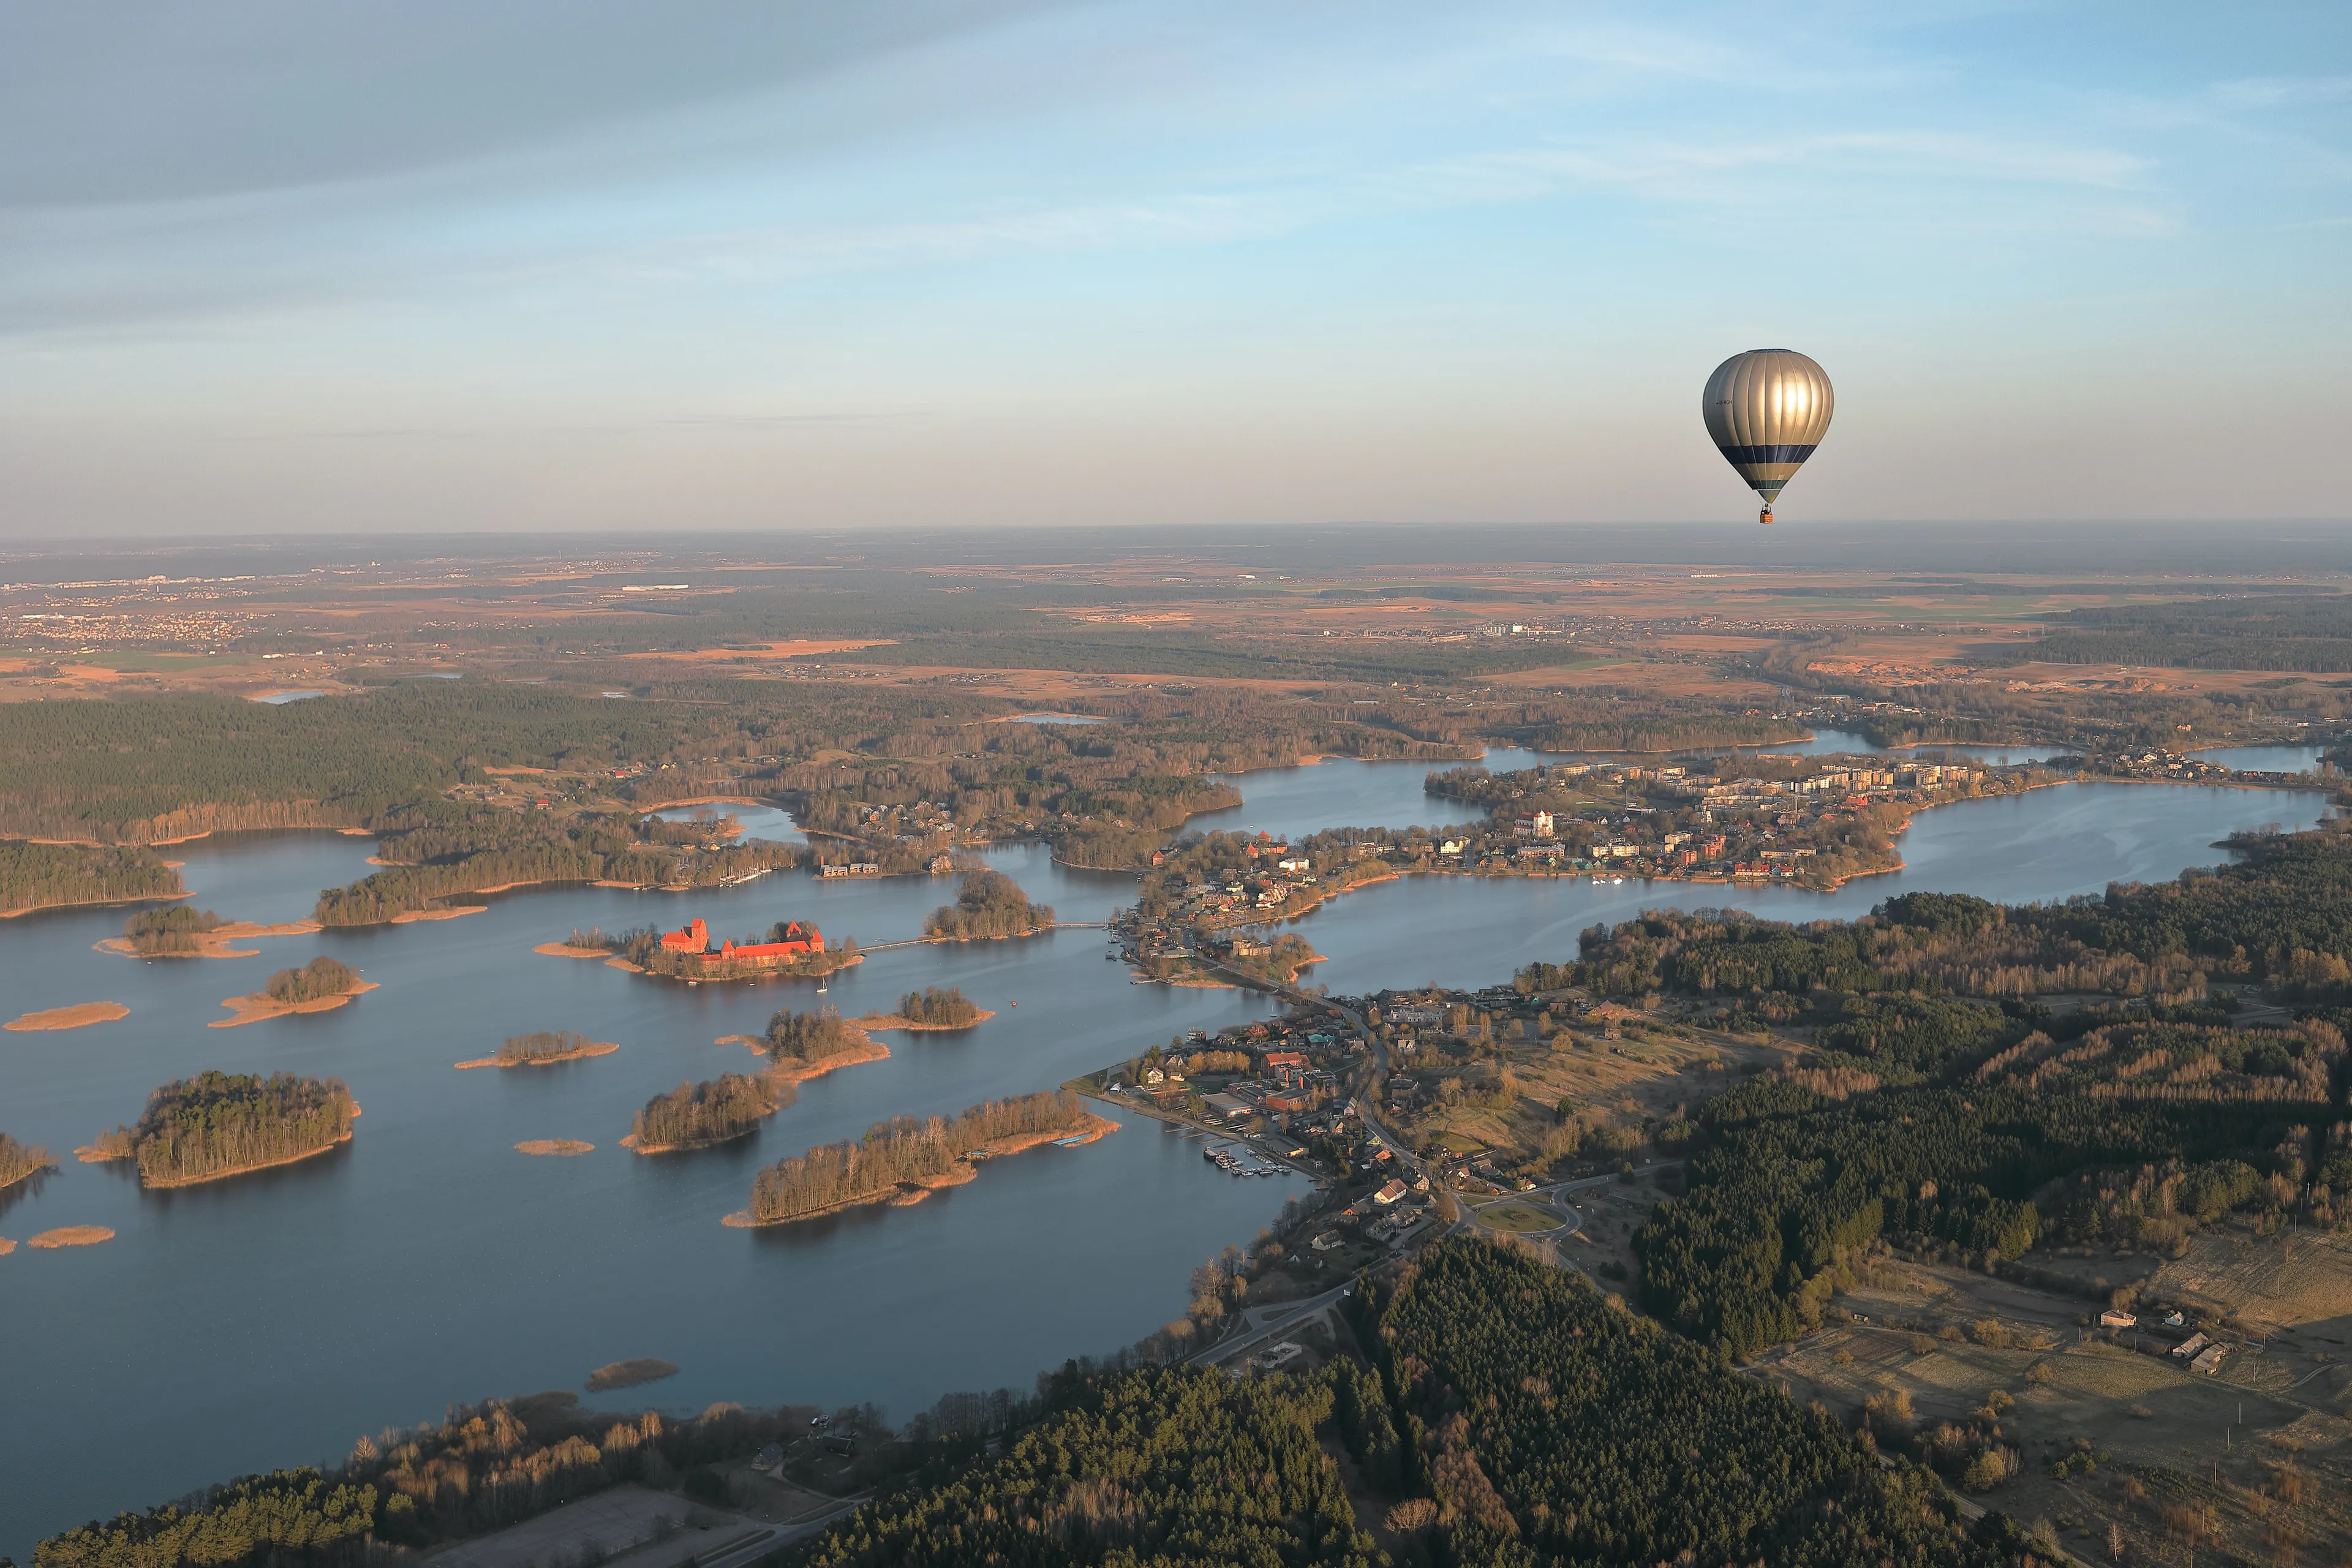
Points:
x=271, y=1318
x=2265, y=758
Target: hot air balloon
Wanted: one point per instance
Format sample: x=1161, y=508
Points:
x=1767, y=410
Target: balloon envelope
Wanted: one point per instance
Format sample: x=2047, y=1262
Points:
x=1767, y=410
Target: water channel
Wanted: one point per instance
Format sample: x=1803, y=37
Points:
x=272, y=1318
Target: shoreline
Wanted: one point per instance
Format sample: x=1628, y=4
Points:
x=629, y=1141
x=903, y=1195
x=241, y=1169
x=90, y=903
x=867, y=1050
x=779, y=972
x=69, y=1236
x=592, y=1049
x=931, y=940
x=252, y=1009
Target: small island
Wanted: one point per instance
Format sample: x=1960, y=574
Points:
x=791, y=950
x=554, y=1146
x=21, y=1161
x=629, y=1373
x=542, y=1047
x=70, y=1236
x=320, y=984
x=932, y=1008
x=802, y=1045
x=702, y=1115
x=81, y=1014
x=990, y=907
x=180, y=931
x=218, y=1124
x=904, y=1161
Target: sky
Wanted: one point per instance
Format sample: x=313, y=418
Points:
x=267, y=266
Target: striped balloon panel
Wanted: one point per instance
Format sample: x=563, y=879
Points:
x=1767, y=410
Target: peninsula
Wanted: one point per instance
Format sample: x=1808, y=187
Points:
x=218, y=1124
x=319, y=987
x=542, y=1047
x=904, y=1161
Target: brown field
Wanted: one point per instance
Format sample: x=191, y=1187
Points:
x=2285, y=1284
x=2183, y=1439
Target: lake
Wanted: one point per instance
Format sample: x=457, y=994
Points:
x=272, y=1318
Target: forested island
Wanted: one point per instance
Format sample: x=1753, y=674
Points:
x=903, y=1160
x=932, y=1008
x=989, y=905
x=322, y=983
x=542, y=1047
x=221, y=1124
x=177, y=931
x=807, y=1045
x=48, y=875
x=21, y=1161
x=699, y=1115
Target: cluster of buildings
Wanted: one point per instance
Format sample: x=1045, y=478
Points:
x=2154, y=764
x=1293, y=1075
x=2168, y=1336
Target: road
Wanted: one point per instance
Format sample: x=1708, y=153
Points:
x=1227, y=1348
x=744, y=1553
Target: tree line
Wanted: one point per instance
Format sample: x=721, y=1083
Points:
x=540, y=1045
x=903, y=1152
x=39, y=876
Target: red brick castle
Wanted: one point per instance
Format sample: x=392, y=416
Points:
x=799, y=940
